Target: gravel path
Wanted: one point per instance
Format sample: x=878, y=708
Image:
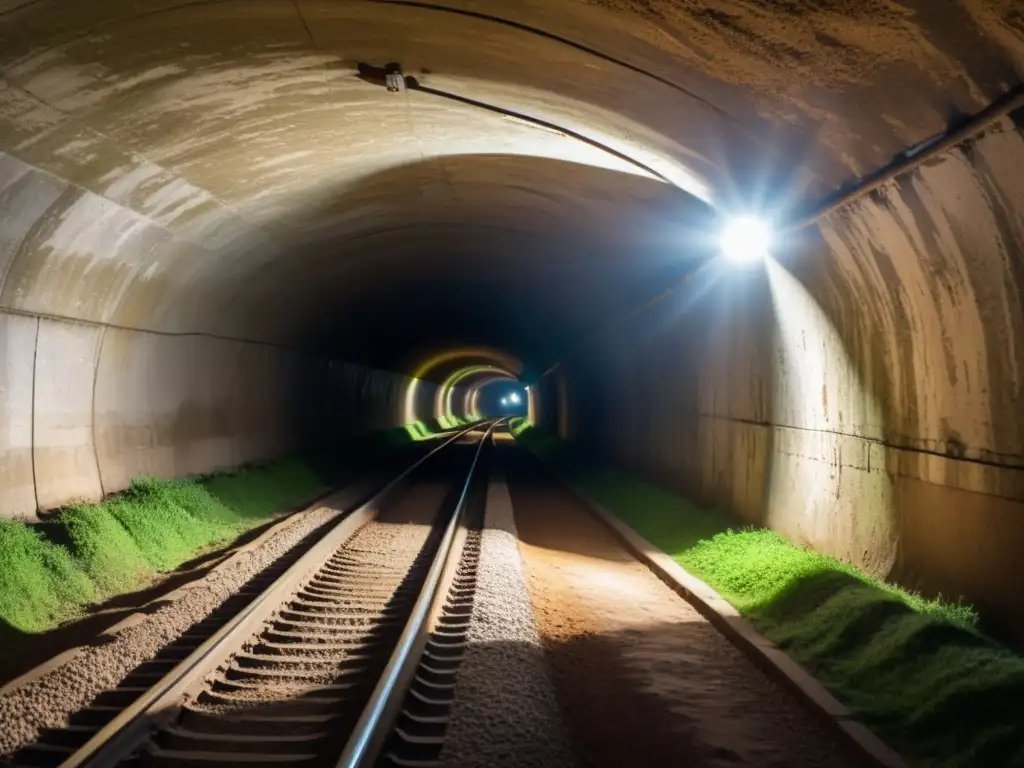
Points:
x=46, y=702
x=641, y=677
x=505, y=713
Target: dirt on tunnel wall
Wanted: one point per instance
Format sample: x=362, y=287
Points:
x=862, y=395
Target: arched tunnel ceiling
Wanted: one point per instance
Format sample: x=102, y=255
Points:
x=230, y=174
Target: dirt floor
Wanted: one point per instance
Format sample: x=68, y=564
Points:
x=641, y=677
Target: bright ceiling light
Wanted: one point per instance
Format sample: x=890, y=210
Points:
x=514, y=397
x=746, y=239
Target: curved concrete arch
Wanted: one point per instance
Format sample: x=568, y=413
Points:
x=437, y=379
x=471, y=396
x=222, y=240
x=453, y=396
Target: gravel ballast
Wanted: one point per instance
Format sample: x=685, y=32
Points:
x=505, y=712
x=47, y=701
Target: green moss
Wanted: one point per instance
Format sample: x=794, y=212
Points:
x=451, y=422
x=103, y=550
x=51, y=572
x=418, y=431
x=40, y=582
x=518, y=424
x=917, y=670
x=121, y=543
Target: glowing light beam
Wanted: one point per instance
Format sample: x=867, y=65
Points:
x=746, y=240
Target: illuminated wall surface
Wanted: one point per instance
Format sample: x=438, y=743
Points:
x=863, y=396
x=219, y=242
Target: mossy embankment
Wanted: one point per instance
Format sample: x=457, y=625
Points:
x=918, y=671
x=52, y=571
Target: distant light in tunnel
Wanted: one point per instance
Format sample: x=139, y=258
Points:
x=504, y=401
x=746, y=239
x=500, y=362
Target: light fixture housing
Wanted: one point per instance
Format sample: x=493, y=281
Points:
x=746, y=239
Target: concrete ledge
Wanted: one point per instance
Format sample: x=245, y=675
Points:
x=38, y=672
x=762, y=651
x=129, y=621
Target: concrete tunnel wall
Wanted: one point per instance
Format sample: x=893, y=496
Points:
x=206, y=208
x=864, y=396
x=86, y=405
x=88, y=408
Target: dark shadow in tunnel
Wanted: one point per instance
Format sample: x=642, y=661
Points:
x=612, y=687
x=519, y=253
x=375, y=453
x=720, y=306
x=494, y=399
x=514, y=252
x=11, y=637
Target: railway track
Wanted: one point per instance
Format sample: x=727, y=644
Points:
x=344, y=654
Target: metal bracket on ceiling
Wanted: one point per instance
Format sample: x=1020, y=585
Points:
x=395, y=81
x=390, y=76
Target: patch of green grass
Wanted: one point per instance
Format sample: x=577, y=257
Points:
x=451, y=422
x=418, y=430
x=51, y=572
x=121, y=543
x=517, y=425
x=916, y=669
x=40, y=583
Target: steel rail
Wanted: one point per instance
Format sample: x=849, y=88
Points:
x=378, y=715
x=119, y=738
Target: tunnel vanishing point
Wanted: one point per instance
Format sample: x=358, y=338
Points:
x=236, y=228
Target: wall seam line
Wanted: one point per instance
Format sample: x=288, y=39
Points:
x=414, y=85
x=134, y=155
x=312, y=40
x=92, y=414
x=32, y=432
x=872, y=440
x=522, y=27
x=439, y=8
x=912, y=158
x=172, y=334
x=31, y=234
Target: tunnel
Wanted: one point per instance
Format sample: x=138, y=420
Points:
x=230, y=230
